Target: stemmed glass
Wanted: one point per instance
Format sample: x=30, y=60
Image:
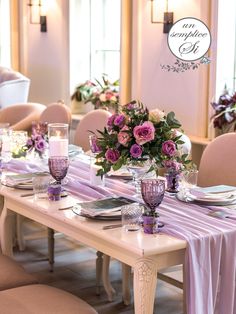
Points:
x=152, y=191
x=58, y=167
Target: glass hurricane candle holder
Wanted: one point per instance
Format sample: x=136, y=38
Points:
x=58, y=139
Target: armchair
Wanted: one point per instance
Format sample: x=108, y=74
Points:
x=14, y=87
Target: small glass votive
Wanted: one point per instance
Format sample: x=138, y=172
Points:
x=131, y=216
x=54, y=192
x=94, y=178
x=40, y=186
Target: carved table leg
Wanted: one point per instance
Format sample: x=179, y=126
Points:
x=51, y=244
x=99, y=263
x=7, y=221
x=19, y=232
x=106, y=279
x=126, y=272
x=145, y=280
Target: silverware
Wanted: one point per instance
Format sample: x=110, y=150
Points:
x=112, y=226
x=27, y=194
x=66, y=208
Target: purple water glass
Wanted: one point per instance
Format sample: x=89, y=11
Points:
x=58, y=167
x=95, y=149
x=172, y=182
x=152, y=191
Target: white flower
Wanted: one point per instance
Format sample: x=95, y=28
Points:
x=102, y=97
x=113, y=98
x=156, y=115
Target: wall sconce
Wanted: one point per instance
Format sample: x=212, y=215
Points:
x=157, y=8
x=38, y=14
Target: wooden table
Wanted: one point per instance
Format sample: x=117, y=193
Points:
x=147, y=254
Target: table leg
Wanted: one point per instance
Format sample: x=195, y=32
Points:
x=7, y=221
x=106, y=278
x=145, y=280
x=51, y=246
x=126, y=274
x=99, y=263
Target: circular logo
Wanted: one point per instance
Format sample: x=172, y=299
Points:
x=189, y=39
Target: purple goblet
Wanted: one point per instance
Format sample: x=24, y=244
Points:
x=152, y=191
x=58, y=166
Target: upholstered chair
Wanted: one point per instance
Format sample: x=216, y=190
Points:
x=21, y=293
x=56, y=113
x=14, y=87
x=217, y=165
x=20, y=116
x=92, y=121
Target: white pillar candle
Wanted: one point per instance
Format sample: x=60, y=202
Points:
x=58, y=146
x=94, y=179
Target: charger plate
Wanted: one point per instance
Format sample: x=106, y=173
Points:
x=109, y=216
x=210, y=202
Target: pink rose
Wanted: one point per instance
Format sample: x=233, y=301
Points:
x=124, y=137
x=144, y=133
x=112, y=155
x=169, y=148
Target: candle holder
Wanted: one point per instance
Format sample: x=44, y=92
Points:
x=58, y=139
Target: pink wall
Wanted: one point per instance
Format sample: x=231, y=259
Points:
x=45, y=59
x=185, y=93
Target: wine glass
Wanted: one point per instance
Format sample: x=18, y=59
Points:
x=58, y=167
x=152, y=191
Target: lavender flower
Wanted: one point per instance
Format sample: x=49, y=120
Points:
x=136, y=150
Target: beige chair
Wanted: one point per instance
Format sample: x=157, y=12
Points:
x=56, y=113
x=217, y=165
x=92, y=121
x=20, y=293
x=14, y=87
x=20, y=116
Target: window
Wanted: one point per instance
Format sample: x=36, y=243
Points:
x=94, y=40
x=5, y=53
x=226, y=47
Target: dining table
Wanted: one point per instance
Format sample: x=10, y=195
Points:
x=203, y=243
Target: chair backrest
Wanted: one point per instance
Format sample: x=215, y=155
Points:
x=56, y=113
x=20, y=116
x=14, y=87
x=217, y=165
x=92, y=121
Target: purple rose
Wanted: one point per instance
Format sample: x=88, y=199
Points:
x=144, y=133
x=29, y=142
x=40, y=145
x=136, y=150
x=172, y=165
x=111, y=119
x=112, y=155
x=169, y=148
x=119, y=120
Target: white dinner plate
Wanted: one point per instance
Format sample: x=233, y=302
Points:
x=206, y=201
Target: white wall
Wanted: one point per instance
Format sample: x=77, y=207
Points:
x=185, y=93
x=46, y=62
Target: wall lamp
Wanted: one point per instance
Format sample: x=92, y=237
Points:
x=159, y=7
x=38, y=14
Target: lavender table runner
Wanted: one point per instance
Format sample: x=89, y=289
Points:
x=211, y=252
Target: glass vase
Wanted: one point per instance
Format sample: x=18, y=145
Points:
x=139, y=170
x=172, y=182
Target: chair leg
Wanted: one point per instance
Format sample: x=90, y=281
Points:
x=126, y=274
x=51, y=244
x=99, y=262
x=19, y=234
x=105, y=277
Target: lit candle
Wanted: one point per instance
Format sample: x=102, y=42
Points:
x=94, y=179
x=58, y=146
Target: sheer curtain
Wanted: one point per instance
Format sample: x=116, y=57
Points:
x=5, y=38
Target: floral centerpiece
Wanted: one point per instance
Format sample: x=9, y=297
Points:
x=135, y=135
x=225, y=112
x=103, y=94
x=37, y=143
